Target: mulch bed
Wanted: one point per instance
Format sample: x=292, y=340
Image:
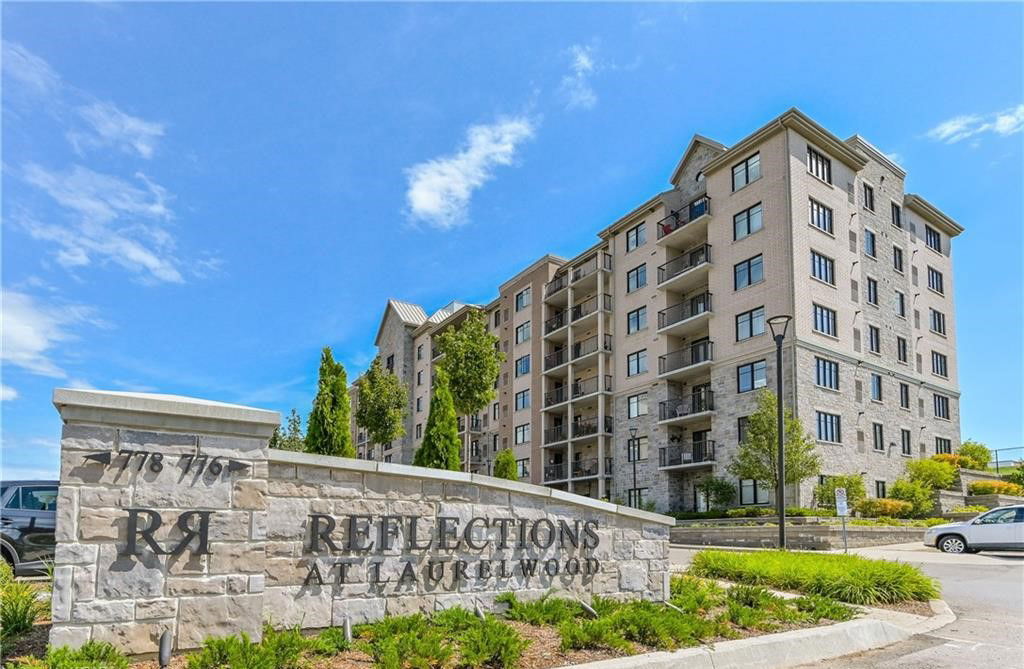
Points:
x=32, y=644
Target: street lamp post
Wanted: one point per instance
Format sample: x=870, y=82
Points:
x=779, y=325
x=631, y=452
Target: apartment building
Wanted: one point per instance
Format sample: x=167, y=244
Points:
x=631, y=369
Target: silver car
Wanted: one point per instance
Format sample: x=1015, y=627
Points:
x=1000, y=529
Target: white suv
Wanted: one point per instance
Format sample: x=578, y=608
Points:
x=1001, y=529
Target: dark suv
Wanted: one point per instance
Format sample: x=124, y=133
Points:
x=28, y=510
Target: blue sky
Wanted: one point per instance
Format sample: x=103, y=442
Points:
x=198, y=197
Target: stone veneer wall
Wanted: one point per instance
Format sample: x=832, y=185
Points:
x=259, y=562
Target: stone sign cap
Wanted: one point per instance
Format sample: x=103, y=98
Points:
x=162, y=412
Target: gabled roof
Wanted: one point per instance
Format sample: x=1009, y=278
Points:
x=697, y=139
x=407, y=312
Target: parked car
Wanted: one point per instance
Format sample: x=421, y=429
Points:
x=999, y=529
x=28, y=511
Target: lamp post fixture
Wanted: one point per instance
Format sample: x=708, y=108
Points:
x=631, y=451
x=778, y=325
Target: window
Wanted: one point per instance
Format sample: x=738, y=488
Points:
x=390, y=364
x=635, y=237
x=904, y=396
x=829, y=428
x=821, y=216
x=901, y=304
x=941, y=406
x=751, y=375
x=419, y=378
x=636, y=363
x=750, y=324
x=747, y=222
x=869, y=197
x=872, y=290
x=497, y=318
x=823, y=268
x=897, y=215
x=874, y=339
x=939, y=364
x=636, y=320
x=34, y=498
x=935, y=280
x=932, y=238
x=523, y=365
x=943, y=445
x=742, y=428
x=523, y=332
x=419, y=430
x=635, y=497
x=419, y=404
x=825, y=320
x=897, y=259
x=523, y=400
x=880, y=489
x=522, y=434
x=876, y=387
x=522, y=299
x=826, y=373
x=905, y=442
x=819, y=165
x=495, y=411
x=747, y=171
x=748, y=272
x=751, y=492
x=636, y=405
x=522, y=468
x=419, y=352
x=869, y=243
x=937, y=321
x=636, y=449
x=901, y=349
x=636, y=278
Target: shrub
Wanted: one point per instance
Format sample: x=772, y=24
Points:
x=720, y=492
x=696, y=515
x=957, y=461
x=918, y=494
x=91, y=655
x=278, y=650
x=803, y=512
x=976, y=453
x=970, y=508
x=330, y=641
x=847, y=578
x=818, y=608
x=406, y=641
x=695, y=595
x=491, y=643
x=825, y=493
x=884, y=507
x=592, y=634
x=750, y=512
x=930, y=522
x=654, y=625
x=545, y=611
x=20, y=606
x=1017, y=475
x=995, y=488
x=883, y=521
x=934, y=474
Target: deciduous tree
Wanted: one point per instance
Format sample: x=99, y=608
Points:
x=757, y=457
x=328, y=427
x=472, y=361
x=441, y=447
x=505, y=465
x=382, y=404
x=291, y=439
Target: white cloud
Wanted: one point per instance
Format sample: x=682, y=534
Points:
x=109, y=126
x=575, y=87
x=29, y=70
x=440, y=189
x=32, y=330
x=1007, y=122
x=7, y=393
x=112, y=220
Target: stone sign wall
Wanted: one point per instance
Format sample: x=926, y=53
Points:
x=173, y=515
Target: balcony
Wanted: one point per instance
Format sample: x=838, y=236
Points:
x=587, y=467
x=684, y=317
x=555, y=472
x=669, y=228
x=591, y=386
x=556, y=434
x=555, y=397
x=589, y=346
x=695, y=405
x=600, y=261
x=476, y=457
x=590, y=306
x=475, y=424
x=556, y=322
x=556, y=284
x=678, y=364
x=697, y=455
x=556, y=358
x=675, y=273
x=587, y=427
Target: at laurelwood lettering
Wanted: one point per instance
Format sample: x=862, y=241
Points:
x=362, y=537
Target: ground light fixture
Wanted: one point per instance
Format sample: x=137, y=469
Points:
x=630, y=452
x=778, y=325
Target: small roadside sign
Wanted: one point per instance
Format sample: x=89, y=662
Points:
x=841, y=508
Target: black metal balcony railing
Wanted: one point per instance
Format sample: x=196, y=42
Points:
x=591, y=305
x=591, y=266
x=588, y=346
x=688, y=308
x=588, y=426
x=678, y=219
x=556, y=284
x=553, y=435
x=475, y=456
x=591, y=386
x=476, y=424
x=685, y=262
x=555, y=472
x=685, y=454
x=555, y=322
x=556, y=358
x=685, y=406
x=695, y=353
x=588, y=467
x=556, y=396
